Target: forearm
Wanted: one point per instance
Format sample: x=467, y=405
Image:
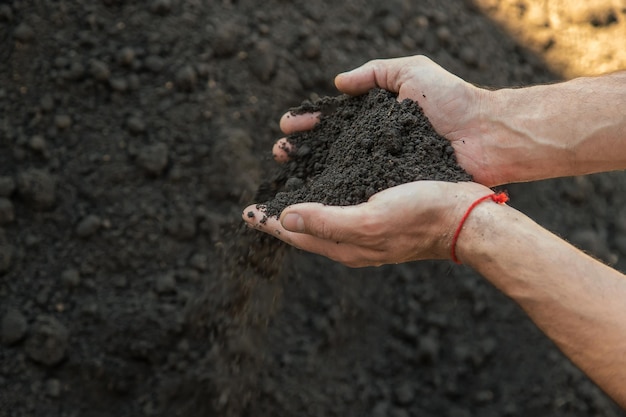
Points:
x=578, y=302
x=571, y=128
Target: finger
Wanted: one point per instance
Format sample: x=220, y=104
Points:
x=388, y=74
x=281, y=150
x=345, y=253
x=291, y=123
x=333, y=223
x=252, y=215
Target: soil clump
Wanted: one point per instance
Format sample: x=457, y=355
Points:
x=361, y=146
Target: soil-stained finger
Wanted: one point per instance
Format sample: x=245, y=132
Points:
x=281, y=149
x=291, y=123
x=345, y=253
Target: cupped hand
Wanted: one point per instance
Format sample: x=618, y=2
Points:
x=408, y=222
x=453, y=106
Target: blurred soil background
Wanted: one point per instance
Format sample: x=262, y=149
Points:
x=132, y=133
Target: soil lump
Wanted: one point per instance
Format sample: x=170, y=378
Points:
x=48, y=342
x=13, y=327
x=38, y=188
x=153, y=158
x=88, y=226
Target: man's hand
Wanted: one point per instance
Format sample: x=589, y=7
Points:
x=508, y=135
x=451, y=104
x=409, y=222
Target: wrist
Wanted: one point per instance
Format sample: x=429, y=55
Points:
x=499, y=198
x=478, y=238
x=453, y=216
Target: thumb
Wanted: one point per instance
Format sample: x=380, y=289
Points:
x=325, y=222
x=388, y=74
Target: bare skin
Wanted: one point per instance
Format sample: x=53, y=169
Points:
x=501, y=136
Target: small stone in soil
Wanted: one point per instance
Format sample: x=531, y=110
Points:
x=24, y=33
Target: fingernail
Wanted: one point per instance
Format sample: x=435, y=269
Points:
x=293, y=222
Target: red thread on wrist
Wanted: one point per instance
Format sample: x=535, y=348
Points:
x=499, y=198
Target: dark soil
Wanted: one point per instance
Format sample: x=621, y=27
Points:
x=362, y=145
x=132, y=133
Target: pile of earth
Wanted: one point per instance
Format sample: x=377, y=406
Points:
x=361, y=146
x=132, y=133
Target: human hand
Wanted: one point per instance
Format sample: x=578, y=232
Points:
x=408, y=222
x=452, y=105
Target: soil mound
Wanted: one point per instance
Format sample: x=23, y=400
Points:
x=131, y=135
x=362, y=145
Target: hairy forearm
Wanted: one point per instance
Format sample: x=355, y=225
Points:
x=571, y=128
x=575, y=300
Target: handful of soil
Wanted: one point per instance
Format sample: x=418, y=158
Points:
x=361, y=145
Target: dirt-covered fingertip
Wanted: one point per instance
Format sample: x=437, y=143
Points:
x=281, y=150
x=253, y=215
x=291, y=123
x=248, y=214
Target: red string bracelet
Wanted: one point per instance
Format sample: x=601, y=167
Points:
x=499, y=198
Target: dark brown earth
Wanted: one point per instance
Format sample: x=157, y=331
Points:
x=361, y=145
x=132, y=133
